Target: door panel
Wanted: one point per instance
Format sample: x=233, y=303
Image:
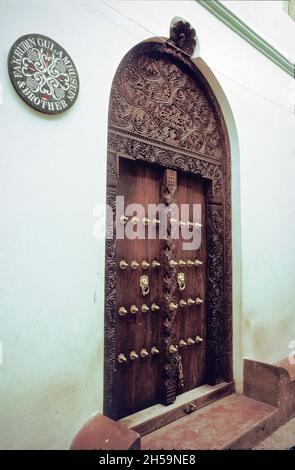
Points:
x=138, y=381
x=190, y=320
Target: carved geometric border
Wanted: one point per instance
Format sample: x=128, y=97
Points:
x=164, y=145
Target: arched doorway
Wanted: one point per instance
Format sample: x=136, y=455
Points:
x=167, y=144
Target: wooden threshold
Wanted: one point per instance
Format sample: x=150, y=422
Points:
x=157, y=416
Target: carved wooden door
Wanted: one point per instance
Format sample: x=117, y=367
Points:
x=153, y=357
x=168, y=139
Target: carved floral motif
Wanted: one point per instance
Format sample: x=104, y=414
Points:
x=215, y=294
x=182, y=35
x=126, y=145
x=154, y=97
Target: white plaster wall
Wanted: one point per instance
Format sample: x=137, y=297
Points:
x=52, y=268
x=269, y=19
x=52, y=175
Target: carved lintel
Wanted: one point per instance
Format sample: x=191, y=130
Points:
x=133, y=148
x=182, y=35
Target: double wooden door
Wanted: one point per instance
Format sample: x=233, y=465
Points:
x=160, y=287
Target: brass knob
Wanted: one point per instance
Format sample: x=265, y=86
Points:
x=155, y=351
x=123, y=219
x=133, y=355
x=155, y=307
x=182, y=343
x=198, y=262
x=181, y=263
x=190, y=341
x=122, y=311
x=199, y=301
x=156, y=264
x=198, y=339
x=123, y=264
x=134, y=264
x=182, y=303
x=190, y=224
x=156, y=221
x=135, y=220
x=190, y=263
x=173, y=306
x=144, y=353
x=133, y=309
x=122, y=358
x=144, y=308
x=190, y=301
x=173, y=263
x=145, y=264
x=198, y=225
x=172, y=349
x=145, y=221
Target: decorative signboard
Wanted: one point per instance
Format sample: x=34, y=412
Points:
x=43, y=74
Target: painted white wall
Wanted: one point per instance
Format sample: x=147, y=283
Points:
x=269, y=19
x=53, y=175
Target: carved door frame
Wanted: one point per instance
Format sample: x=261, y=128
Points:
x=217, y=172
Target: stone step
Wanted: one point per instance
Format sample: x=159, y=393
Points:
x=234, y=422
x=157, y=416
x=282, y=439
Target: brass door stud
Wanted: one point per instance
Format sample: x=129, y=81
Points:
x=122, y=311
x=121, y=358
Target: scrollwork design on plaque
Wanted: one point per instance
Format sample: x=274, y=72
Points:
x=45, y=73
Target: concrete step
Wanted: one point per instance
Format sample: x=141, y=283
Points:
x=234, y=422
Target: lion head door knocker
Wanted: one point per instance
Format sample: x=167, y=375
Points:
x=144, y=284
x=181, y=281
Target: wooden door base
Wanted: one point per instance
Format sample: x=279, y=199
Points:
x=157, y=416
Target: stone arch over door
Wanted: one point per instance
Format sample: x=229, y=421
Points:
x=162, y=111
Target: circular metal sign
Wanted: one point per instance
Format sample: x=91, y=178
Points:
x=43, y=74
